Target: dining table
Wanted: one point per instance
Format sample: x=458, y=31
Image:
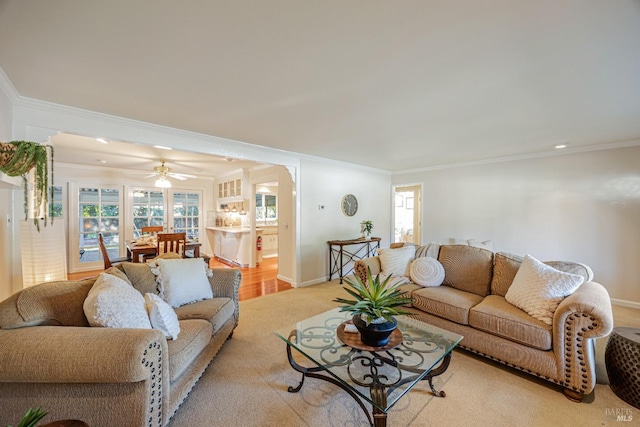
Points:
x=135, y=250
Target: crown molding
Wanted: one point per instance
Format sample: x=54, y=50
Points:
x=8, y=88
x=554, y=153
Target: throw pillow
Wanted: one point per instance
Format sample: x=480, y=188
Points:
x=182, y=281
x=395, y=262
x=427, y=271
x=112, y=303
x=162, y=316
x=538, y=288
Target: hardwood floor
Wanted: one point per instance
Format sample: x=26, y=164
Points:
x=256, y=282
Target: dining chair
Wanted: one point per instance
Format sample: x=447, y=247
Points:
x=108, y=262
x=172, y=242
x=152, y=229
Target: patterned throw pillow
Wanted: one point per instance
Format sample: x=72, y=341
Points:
x=538, y=288
x=395, y=262
x=113, y=303
x=162, y=316
x=182, y=281
x=427, y=271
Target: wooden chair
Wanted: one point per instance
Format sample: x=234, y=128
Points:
x=105, y=255
x=172, y=242
x=152, y=229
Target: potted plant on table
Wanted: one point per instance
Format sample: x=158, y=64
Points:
x=374, y=307
x=366, y=227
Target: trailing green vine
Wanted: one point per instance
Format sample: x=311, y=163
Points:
x=17, y=158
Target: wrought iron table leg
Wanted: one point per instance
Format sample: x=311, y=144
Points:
x=438, y=371
x=311, y=372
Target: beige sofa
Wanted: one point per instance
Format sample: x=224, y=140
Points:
x=52, y=358
x=471, y=302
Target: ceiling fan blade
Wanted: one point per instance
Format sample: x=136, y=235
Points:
x=181, y=176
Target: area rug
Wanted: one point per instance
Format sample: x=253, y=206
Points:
x=246, y=384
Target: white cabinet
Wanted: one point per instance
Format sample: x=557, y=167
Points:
x=230, y=188
x=269, y=241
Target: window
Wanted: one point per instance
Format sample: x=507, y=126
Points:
x=99, y=211
x=148, y=209
x=186, y=214
x=56, y=202
x=266, y=207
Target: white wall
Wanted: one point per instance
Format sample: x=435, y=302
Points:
x=6, y=205
x=324, y=183
x=582, y=207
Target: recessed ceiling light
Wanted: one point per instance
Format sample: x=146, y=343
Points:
x=102, y=140
x=162, y=147
x=560, y=146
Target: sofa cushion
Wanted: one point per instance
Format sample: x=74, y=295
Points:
x=217, y=311
x=113, y=303
x=449, y=303
x=467, y=268
x=194, y=336
x=426, y=271
x=395, y=262
x=539, y=288
x=505, y=267
x=496, y=316
x=141, y=277
x=52, y=303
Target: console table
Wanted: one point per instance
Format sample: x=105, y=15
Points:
x=343, y=252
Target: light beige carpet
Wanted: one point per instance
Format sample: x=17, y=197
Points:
x=246, y=384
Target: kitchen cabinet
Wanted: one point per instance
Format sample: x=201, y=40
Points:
x=230, y=188
x=269, y=241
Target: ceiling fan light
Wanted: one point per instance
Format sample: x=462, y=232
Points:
x=163, y=183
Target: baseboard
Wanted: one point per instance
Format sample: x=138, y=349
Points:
x=625, y=303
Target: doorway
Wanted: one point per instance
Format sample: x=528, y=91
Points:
x=407, y=214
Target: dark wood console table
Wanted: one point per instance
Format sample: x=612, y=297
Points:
x=339, y=257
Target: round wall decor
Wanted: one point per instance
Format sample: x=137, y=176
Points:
x=349, y=205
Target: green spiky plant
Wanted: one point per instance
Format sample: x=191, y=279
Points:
x=374, y=299
x=31, y=417
x=366, y=227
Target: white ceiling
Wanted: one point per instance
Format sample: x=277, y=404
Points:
x=386, y=84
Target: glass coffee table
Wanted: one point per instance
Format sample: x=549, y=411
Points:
x=379, y=376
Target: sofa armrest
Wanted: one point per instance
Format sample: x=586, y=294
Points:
x=360, y=267
x=66, y=354
x=225, y=282
x=580, y=318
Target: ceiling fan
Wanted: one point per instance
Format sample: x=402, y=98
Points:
x=163, y=172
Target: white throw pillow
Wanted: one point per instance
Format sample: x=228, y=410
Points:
x=427, y=271
x=538, y=288
x=182, y=281
x=113, y=303
x=162, y=316
x=395, y=262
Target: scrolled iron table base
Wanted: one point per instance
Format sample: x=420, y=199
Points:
x=378, y=386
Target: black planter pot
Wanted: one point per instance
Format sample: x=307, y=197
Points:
x=374, y=334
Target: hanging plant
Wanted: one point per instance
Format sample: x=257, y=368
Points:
x=18, y=158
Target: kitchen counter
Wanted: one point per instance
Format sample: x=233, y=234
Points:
x=231, y=229
x=234, y=244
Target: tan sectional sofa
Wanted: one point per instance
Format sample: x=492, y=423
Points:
x=52, y=358
x=471, y=302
